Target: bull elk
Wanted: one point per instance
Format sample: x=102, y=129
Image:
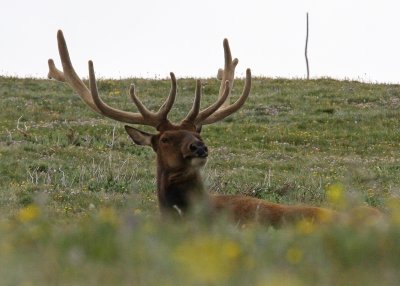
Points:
x=180, y=150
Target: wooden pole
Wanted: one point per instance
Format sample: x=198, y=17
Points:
x=308, y=68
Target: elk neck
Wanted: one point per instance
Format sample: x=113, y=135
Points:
x=179, y=190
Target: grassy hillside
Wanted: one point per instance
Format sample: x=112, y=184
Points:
x=78, y=203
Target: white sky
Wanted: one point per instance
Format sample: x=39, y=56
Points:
x=353, y=39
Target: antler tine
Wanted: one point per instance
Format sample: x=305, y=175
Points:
x=194, y=112
x=156, y=118
x=221, y=108
x=226, y=111
x=228, y=73
x=127, y=117
x=140, y=106
x=167, y=105
x=55, y=72
x=69, y=75
x=214, y=107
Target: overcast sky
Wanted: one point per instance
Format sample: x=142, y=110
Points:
x=354, y=39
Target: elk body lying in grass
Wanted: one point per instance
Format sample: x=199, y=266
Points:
x=180, y=149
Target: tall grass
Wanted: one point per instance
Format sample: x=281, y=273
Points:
x=78, y=203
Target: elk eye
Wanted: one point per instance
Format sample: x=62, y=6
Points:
x=164, y=140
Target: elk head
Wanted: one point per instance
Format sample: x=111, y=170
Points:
x=179, y=147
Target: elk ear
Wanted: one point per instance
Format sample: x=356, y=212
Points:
x=139, y=137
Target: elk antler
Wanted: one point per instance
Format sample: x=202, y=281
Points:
x=228, y=72
x=222, y=108
x=92, y=99
x=215, y=112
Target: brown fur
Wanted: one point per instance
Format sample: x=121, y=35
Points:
x=180, y=187
x=245, y=209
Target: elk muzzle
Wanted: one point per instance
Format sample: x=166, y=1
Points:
x=197, y=153
x=198, y=149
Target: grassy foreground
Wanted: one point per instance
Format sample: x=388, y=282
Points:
x=78, y=203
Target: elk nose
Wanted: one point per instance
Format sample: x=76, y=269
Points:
x=199, y=149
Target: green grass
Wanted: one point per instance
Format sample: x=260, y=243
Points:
x=78, y=203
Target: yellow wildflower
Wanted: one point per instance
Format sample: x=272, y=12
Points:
x=335, y=195
x=294, y=255
x=108, y=215
x=231, y=249
x=305, y=227
x=207, y=259
x=28, y=213
x=114, y=93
